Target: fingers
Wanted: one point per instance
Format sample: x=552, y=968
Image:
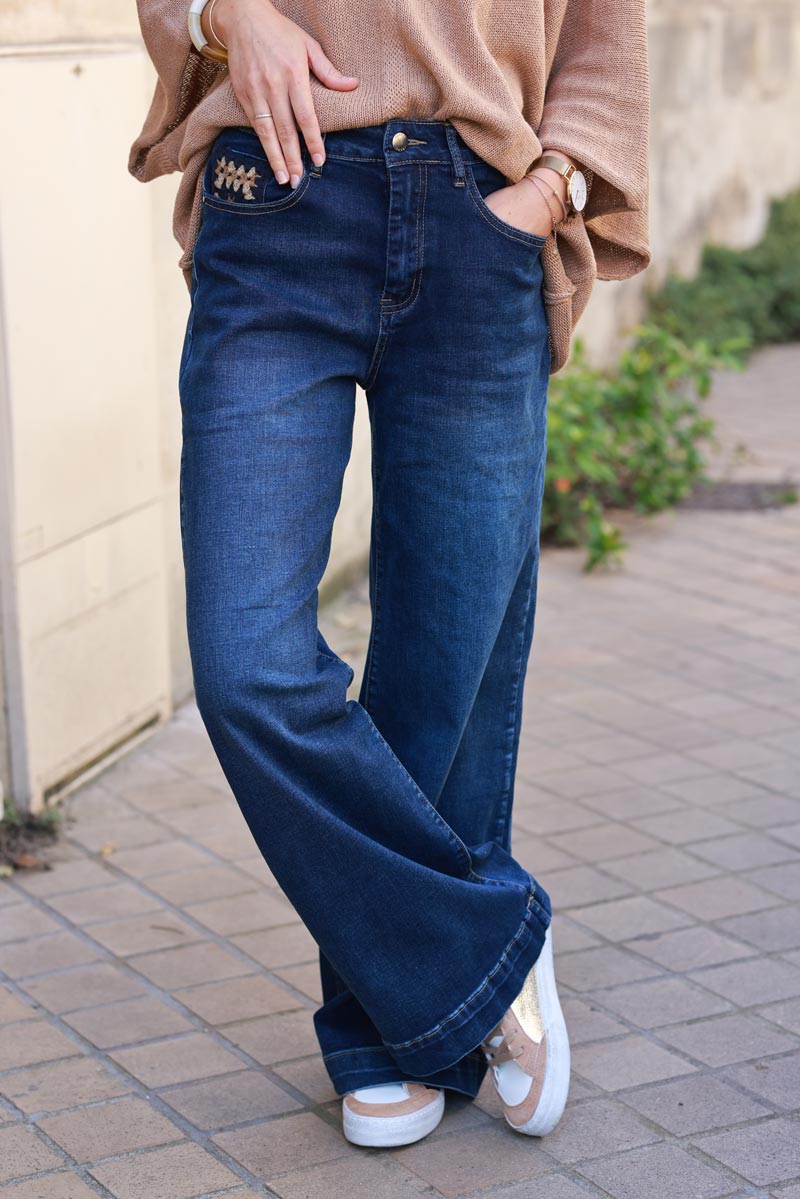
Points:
x=325, y=71
x=306, y=117
x=287, y=134
x=267, y=135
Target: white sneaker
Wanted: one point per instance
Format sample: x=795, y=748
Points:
x=391, y=1113
x=529, y=1052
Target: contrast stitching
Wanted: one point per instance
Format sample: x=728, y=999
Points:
x=403, y=305
x=475, y=994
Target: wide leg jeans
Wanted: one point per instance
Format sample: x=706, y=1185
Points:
x=385, y=820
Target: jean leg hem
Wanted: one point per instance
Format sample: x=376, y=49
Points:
x=373, y=1064
x=462, y=1031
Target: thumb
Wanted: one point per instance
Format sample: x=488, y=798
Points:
x=326, y=72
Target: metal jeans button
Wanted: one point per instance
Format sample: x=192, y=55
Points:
x=400, y=141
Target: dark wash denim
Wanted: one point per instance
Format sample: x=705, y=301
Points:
x=384, y=820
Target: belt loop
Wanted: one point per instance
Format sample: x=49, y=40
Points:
x=455, y=153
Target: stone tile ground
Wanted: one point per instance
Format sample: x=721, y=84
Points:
x=155, y=1008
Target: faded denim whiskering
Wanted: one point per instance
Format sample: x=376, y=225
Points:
x=385, y=820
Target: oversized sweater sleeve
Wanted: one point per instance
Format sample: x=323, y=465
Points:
x=596, y=109
x=183, y=79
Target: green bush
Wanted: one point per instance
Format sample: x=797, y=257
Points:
x=633, y=436
x=751, y=295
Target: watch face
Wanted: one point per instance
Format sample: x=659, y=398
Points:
x=577, y=191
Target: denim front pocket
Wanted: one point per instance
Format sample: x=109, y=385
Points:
x=482, y=179
x=238, y=176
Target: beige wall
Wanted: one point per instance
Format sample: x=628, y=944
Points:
x=92, y=640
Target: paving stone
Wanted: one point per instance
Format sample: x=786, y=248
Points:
x=744, y=851
x=257, y=868
x=58, y=1085
x=243, y=913
x=691, y=948
x=777, y=1080
x=232, y=1099
x=109, y=1129
x=74, y=874
x=189, y=965
x=772, y=931
x=550, y=1186
x=23, y=921
x=726, y=1039
x=85, y=908
x=469, y=1161
x=663, y=1170
x=123, y=1023
x=184, y=1059
x=784, y=880
x=587, y=780
x=786, y=1014
x=275, y=947
x=753, y=981
x=164, y=858
x=586, y=1022
x=539, y=856
x=355, y=1177
x=570, y=937
x=49, y=1186
x=305, y=979
x=661, y=1001
x=596, y=1128
x=687, y=825
x=694, y=1104
x=663, y=768
x=660, y=868
x=22, y=1152
x=280, y=1145
x=762, y=1153
x=237, y=999
x=177, y=1172
x=546, y=816
x=714, y=789
x=603, y=841
x=765, y=810
x=173, y=791
x=113, y=833
x=203, y=884
x=633, y=803
x=603, y=967
x=308, y=1075
x=277, y=1038
x=58, y=951
x=627, y=1062
x=716, y=898
x=39, y=1042
x=635, y=916
x=13, y=1009
x=142, y=934
x=86, y=987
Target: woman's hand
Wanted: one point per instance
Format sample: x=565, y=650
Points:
x=269, y=59
x=523, y=205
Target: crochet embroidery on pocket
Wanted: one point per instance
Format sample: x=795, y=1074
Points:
x=234, y=177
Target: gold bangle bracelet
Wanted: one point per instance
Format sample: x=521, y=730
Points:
x=212, y=30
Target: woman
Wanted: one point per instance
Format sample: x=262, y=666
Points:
x=421, y=227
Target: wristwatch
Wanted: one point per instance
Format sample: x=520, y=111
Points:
x=577, y=191
x=199, y=39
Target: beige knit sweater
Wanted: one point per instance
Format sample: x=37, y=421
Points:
x=511, y=75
